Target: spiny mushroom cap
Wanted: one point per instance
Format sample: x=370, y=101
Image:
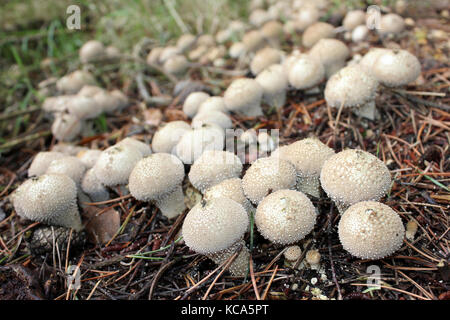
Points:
x=93, y=187
x=71, y=166
x=214, y=225
x=391, y=23
x=141, y=146
x=253, y=40
x=194, y=142
x=229, y=188
x=167, y=136
x=84, y=107
x=213, y=167
x=317, y=31
x=153, y=55
x=371, y=230
x=176, y=64
x=264, y=58
x=66, y=127
x=353, y=19
x=351, y=87
x=396, y=68
x=73, y=82
x=213, y=116
x=265, y=175
x=332, y=53
x=243, y=93
x=193, y=102
x=115, y=164
x=285, y=216
x=212, y=104
x=155, y=176
x=292, y=253
x=92, y=50
x=368, y=60
x=307, y=155
x=273, y=80
x=185, y=42
x=351, y=176
x=50, y=198
x=306, y=72
x=236, y=50
x=312, y=257
x=41, y=161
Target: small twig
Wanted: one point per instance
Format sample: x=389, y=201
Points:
x=15, y=114
x=31, y=137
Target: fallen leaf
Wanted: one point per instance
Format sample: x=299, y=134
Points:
x=101, y=226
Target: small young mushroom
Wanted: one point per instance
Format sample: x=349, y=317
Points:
x=332, y=53
x=168, y=135
x=351, y=176
x=213, y=167
x=265, y=58
x=306, y=72
x=391, y=24
x=244, y=96
x=231, y=189
x=66, y=127
x=212, y=104
x=285, y=216
x=274, y=82
x=292, y=254
x=71, y=166
x=167, y=53
x=41, y=161
x=158, y=178
x=237, y=50
x=216, y=117
x=313, y=258
x=306, y=16
x=353, y=19
x=266, y=175
x=50, y=199
x=141, y=146
x=73, y=82
x=176, y=64
x=216, y=228
x=360, y=33
x=193, y=102
x=253, y=41
x=317, y=31
x=153, y=55
x=92, y=51
x=272, y=31
x=371, y=230
x=186, y=42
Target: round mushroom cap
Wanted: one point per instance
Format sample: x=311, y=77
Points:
x=351, y=176
x=41, y=161
x=92, y=50
x=213, y=167
x=70, y=166
x=266, y=175
x=194, y=142
x=214, y=225
x=306, y=16
x=371, y=230
x=368, y=60
x=115, y=164
x=168, y=52
x=317, y=31
x=351, y=87
x=229, y=188
x=120, y=103
x=51, y=199
x=224, y=35
x=360, y=33
x=213, y=116
x=73, y=82
x=89, y=90
x=167, y=136
x=274, y=82
x=66, y=127
x=253, y=40
x=292, y=253
x=155, y=176
x=176, y=64
x=306, y=72
x=107, y=102
x=84, y=107
x=243, y=94
x=56, y=104
x=153, y=55
x=272, y=30
x=206, y=40
x=391, y=23
x=112, y=52
x=93, y=187
x=396, y=68
x=141, y=146
x=258, y=17
x=185, y=42
x=212, y=104
x=265, y=58
x=353, y=19
x=193, y=102
x=237, y=50
x=285, y=216
x=332, y=53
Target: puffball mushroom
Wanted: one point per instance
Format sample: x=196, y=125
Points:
x=371, y=230
x=237, y=50
x=70, y=166
x=73, y=82
x=351, y=176
x=306, y=72
x=168, y=135
x=360, y=33
x=185, y=42
x=396, y=68
x=272, y=31
x=176, y=64
x=391, y=24
x=231, y=189
x=353, y=19
x=368, y=60
x=50, y=199
x=66, y=127
x=153, y=55
x=305, y=17
x=158, y=178
x=41, y=161
x=317, y=31
x=244, y=96
x=253, y=41
x=167, y=53
x=213, y=116
x=143, y=148
x=332, y=53
x=83, y=107
x=213, y=167
x=352, y=87
x=92, y=51
x=193, y=102
x=93, y=187
x=266, y=175
x=212, y=104
x=307, y=156
x=265, y=58
x=258, y=17
x=285, y=216
x=216, y=228
x=274, y=82
x=292, y=254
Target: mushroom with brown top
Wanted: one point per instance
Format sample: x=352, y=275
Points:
x=267, y=175
x=351, y=176
x=306, y=72
x=213, y=167
x=50, y=199
x=71, y=166
x=216, y=228
x=352, y=87
x=313, y=258
x=92, y=51
x=307, y=156
x=317, y=31
x=332, y=53
x=193, y=102
x=371, y=230
x=158, y=178
x=285, y=216
x=274, y=82
x=41, y=161
x=265, y=58
x=168, y=135
x=231, y=189
x=244, y=96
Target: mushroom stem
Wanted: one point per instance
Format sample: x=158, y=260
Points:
x=309, y=184
x=71, y=218
x=239, y=266
x=172, y=204
x=253, y=111
x=367, y=110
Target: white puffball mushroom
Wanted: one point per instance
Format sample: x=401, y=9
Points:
x=272, y=31
x=158, y=178
x=216, y=117
x=143, y=148
x=396, y=68
x=244, y=96
x=193, y=102
x=176, y=64
x=391, y=24
x=93, y=187
x=274, y=82
x=317, y=31
x=83, y=107
x=306, y=73
x=352, y=176
x=368, y=60
x=237, y=50
x=266, y=175
x=215, y=103
x=332, y=53
x=231, y=189
x=186, y=42
x=292, y=253
x=306, y=16
x=41, y=161
x=66, y=127
x=73, y=82
x=92, y=51
x=265, y=58
x=168, y=135
x=258, y=17
x=213, y=167
x=50, y=199
x=253, y=41
x=71, y=166
x=353, y=19
x=216, y=228
x=360, y=33
x=285, y=216
x=371, y=230
x=167, y=53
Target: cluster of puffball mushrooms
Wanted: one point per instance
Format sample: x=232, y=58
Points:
x=275, y=191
